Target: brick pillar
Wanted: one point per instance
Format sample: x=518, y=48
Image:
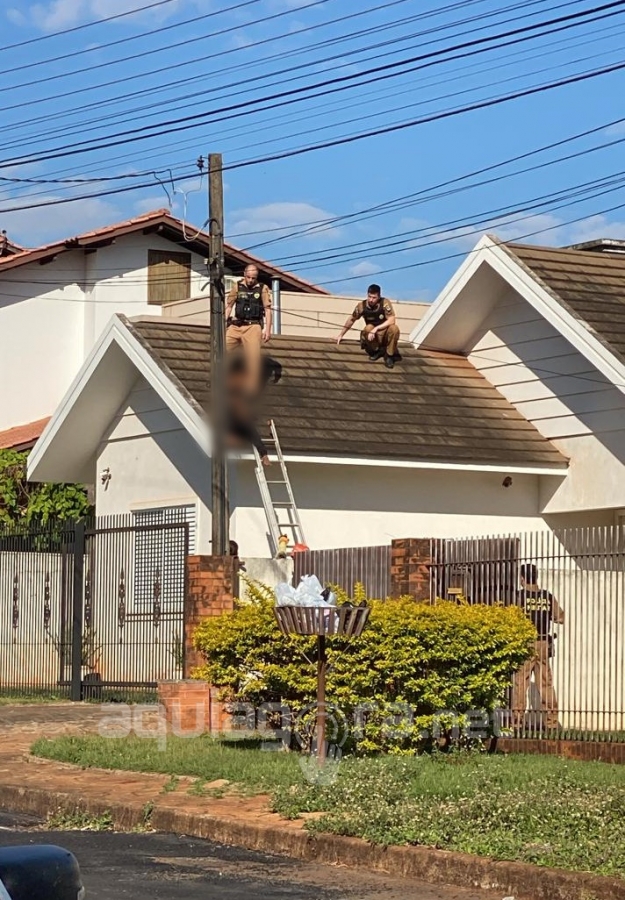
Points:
x=411, y=559
x=212, y=587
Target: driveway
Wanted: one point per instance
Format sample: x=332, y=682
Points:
x=167, y=867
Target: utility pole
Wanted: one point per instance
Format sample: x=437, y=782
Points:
x=220, y=503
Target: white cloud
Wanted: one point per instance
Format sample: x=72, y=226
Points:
x=16, y=17
x=148, y=204
x=30, y=227
x=541, y=227
x=282, y=216
x=595, y=227
x=56, y=15
x=364, y=268
x=617, y=128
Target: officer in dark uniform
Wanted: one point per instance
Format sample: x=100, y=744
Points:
x=543, y=611
x=380, y=334
x=248, y=318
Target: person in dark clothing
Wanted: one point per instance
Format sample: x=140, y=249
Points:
x=543, y=611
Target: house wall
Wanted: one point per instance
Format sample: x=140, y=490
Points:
x=307, y=315
x=51, y=315
x=357, y=506
x=154, y=462
x=567, y=400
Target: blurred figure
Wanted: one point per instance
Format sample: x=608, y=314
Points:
x=241, y=413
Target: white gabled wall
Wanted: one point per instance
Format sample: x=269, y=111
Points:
x=152, y=461
x=51, y=315
x=564, y=396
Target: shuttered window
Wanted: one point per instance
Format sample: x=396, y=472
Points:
x=160, y=554
x=169, y=276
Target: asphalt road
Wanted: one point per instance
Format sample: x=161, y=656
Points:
x=168, y=867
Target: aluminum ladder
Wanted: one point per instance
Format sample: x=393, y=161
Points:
x=277, y=495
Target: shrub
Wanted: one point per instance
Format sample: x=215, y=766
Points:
x=412, y=661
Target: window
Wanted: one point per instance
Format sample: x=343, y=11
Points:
x=160, y=554
x=169, y=276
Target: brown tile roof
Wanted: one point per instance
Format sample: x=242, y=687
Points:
x=331, y=400
x=160, y=222
x=22, y=437
x=591, y=286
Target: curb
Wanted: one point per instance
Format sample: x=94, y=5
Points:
x=518, y=880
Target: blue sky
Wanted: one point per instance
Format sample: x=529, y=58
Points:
x=234, y=55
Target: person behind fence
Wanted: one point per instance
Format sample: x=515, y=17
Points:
x=543, y=611
x=380, y=335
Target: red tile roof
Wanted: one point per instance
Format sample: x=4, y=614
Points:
x=160, y=221
x=22, y=437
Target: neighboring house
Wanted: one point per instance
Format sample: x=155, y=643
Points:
x=55, y=300
x=372, y=454
x=23, y=437
x=546, y=327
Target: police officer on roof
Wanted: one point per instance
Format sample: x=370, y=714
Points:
x=248, y=317
x=380, y=334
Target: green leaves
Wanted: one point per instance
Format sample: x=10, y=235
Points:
x=411, y=656
x=22, y=501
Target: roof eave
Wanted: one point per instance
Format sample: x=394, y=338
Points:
x=375, y=462
x=502, y=259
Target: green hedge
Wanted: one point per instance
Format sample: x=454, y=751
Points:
x=412, y=661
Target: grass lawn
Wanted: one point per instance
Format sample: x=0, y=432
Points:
x=542, y=810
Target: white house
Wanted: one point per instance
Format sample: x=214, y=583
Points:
x=55, y=301
x=372, y=454
x=546, y=327
x=508, y=415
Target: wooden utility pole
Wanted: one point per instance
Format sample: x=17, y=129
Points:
x=220, y=504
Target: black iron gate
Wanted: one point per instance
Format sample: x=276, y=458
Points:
x=92, y=610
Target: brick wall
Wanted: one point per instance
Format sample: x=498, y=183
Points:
x=411, y=559
x=212, y=587
x=193, y=708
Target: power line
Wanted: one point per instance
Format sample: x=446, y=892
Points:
x=193, y=40
x=446, y=258
x=229, y=52
x=125, y=40
x=60, y=201
x=390, y=70
x=131, y=114
x=484, y=104
x=246, y=130
x=285, y=116
x=399, y=202
x=424, y=196
x=568, y=196
x=65, y=31
x=384, y=246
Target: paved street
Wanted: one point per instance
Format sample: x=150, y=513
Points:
x=165, y=867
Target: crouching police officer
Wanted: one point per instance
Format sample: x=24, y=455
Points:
x=380, y=334
x=248, y=318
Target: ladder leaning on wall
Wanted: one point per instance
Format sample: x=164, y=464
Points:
x=277, y=494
